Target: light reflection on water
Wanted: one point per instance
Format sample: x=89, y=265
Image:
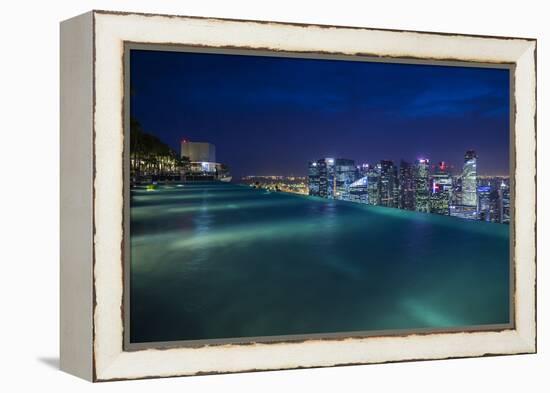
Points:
x=215, y=261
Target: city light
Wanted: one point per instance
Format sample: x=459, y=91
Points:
x=418, y=187
x=289, y=184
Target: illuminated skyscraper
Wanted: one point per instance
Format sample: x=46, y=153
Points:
x=313, y=178
x=488, y=204
x=326, y=177
x=373, y=177
x=331, y=178
x=504, y=199
x=388, y=184
x=406, y=186
x=469, y=179
x=345, y=173
x=456, y=197
x=441, y=190
x=422, y=185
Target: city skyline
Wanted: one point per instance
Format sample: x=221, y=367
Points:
x=414, y=186
x=433, y=164
x=268, y=115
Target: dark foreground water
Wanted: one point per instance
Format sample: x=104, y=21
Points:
x=226, y=261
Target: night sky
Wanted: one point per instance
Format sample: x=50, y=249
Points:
x=271, y=115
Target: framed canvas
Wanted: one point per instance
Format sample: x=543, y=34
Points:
x=246, y=195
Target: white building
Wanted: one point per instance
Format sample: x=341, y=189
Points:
x=198, y=151
x=202, y=162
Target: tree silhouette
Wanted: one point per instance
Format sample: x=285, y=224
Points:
x=150, y=156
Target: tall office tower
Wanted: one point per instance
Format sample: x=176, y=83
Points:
x=456, y=197
x=488, y=203
x=504, y=203
x=406, y=186
x=441, y=190
x=313, y=178
x=331, y=178
x=198, y=151
x=388, y=183
x=345, y=173
x=326, y=177
x=422, y=185
x=483, y=202
x=359, y=190
x=373, y=179
x=396, y=189
x=469, y=179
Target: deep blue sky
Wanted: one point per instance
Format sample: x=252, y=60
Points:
x=271, y=115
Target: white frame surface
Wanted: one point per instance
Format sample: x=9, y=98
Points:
x=102, y=292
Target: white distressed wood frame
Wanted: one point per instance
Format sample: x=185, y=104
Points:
x=92, y=88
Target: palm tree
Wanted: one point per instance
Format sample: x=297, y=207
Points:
x=149, y=155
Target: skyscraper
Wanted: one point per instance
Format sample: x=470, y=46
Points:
x=326, y=177
x=441, y=190
x=345, y=173
x=488, y=203
x=504, y=199
x=373, y=177
x=469, y=179
x=313, y=178
x=388, y=184
x=331, y=178
x=422, y=185
x=406, y=186
x=456, y=197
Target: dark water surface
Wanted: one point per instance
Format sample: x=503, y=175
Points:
x=226, y=261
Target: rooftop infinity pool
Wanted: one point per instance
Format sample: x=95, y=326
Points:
x=213, y=261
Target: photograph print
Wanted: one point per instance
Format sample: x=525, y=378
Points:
x=278, y=197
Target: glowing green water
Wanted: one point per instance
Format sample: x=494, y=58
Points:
x=225, y=261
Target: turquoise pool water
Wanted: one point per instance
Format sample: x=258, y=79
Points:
x=226, y=261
